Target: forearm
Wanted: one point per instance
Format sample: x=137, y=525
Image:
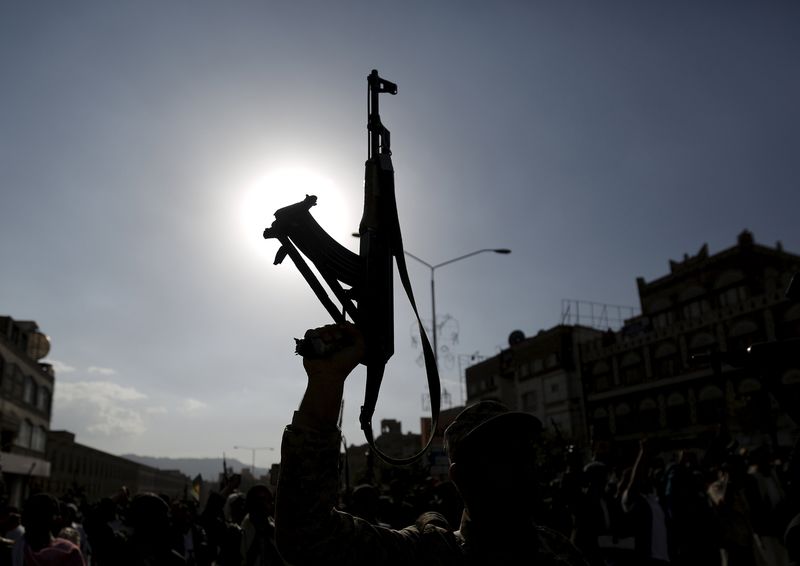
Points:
x=308, y=531
x=319, y=409
x=637, y=474
x=307, y=489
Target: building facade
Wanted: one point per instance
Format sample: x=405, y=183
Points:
x=26, y=394
x=82, y=470
x=540, y=375
x=653, y=378
x=676, y=372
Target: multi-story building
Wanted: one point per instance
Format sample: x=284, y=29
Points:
x=364, y=466
x=540, y=375
x=32, y=457
x=613, y=387
x=95, y=474
x=26, y=393
x=645, y=380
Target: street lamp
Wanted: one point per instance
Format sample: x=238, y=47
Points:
x=253, y=449
x=433, y=288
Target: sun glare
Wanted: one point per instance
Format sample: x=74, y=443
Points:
x=334, y=210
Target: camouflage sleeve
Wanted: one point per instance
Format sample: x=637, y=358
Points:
x=309, y=530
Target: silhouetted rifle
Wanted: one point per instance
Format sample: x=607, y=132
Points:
x=361, y=283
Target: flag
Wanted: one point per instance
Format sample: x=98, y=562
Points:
x=197, y=485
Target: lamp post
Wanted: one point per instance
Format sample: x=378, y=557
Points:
x=433, y=284
x=253, y=449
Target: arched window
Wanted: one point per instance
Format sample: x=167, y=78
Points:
x=710, y=405
x=677, y=411
x=631, y=369
x=601, y=376
x=600, y=423
x=789, y=326
x=702, y=343
x=791, y=387
x=648, y=415
x=742, y=335
x=665, y=360
x=624, y=422
x=695, y=306
x=749, y=386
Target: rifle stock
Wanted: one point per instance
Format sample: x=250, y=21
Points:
x=369, y=275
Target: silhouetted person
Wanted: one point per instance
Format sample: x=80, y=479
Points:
x=188, y=537
x=593, y=514
x=766, y=498
x=728, y=495
x=640, y=499
x=492, y=455
x=149, y=542
x=224, y=538
x=693, y=524
x=72, y=519
x=38, y=545
x=258, y=529
x=364, y=503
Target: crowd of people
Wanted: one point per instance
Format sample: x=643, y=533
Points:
x=504, y=502
x=232, y=528
x=723, y=507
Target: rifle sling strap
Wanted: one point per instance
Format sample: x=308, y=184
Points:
x=431, y=369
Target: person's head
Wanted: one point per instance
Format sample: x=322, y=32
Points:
x=595, y=477
x=40, y=513
x=259, y=504
x=235, y=508
x=149, y=517
x=364, y=502
x=70, y=513
x=492, y=453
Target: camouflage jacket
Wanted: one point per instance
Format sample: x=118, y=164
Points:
x=310, y=531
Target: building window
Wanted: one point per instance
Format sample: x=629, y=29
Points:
x=530, y=402
x=631, y=369
x=624, y=422
x=702, y=343
x=665, y=360
x=601, y=376
x=710, y=405
x=29, y=393
x=38, y=438
x=663, y=320
x=24, y=434
x=677, y=412
x=742, y=335
x=537, y=365
x=789, y=325
x=648, y=415
x=600, y=424
x=43, y=399
x=733, y=296
x=696, y=309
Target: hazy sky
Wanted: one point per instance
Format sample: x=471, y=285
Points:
x=144, y=146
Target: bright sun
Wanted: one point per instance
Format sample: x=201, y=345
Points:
x=335, y=211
